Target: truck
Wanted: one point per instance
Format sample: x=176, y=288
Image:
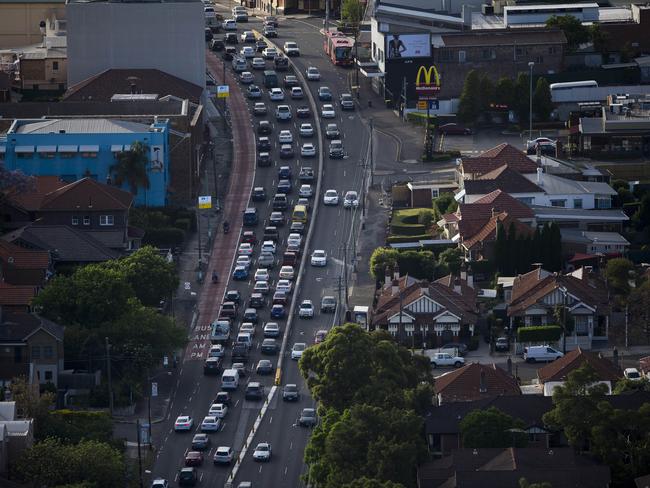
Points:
x=220, y=331
x=446, y=359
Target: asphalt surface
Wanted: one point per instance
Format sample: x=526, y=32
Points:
x=334, y=231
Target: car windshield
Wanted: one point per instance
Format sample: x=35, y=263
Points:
x=299, y=347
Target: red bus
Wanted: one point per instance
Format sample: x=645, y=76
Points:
x=338, y=48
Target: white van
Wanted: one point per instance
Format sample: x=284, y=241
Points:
x=541, y=353
x=230, y=379
x=245, y=337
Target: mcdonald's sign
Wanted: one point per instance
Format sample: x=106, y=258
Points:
x=427, y=81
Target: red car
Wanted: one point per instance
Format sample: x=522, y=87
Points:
x=279, y=298
x=249, y=237
x=194, y=458
x=454, y=129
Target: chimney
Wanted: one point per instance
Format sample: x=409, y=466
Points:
x=396, y=272
x=387, y=276
x=540, y=172
x=470, y=277
x=482, y=388
x=395, y=288
x=457, y=285
x=424, y=286
x=494, y=212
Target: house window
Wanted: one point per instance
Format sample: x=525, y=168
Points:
x=552, y=50
x=558, y=203
x=86, y=219
x=55, y=65
x=36, y=352
x=603, y=203
x=75, y=220
x=539, y=59
x=48, y=376
x=18, y=355
x=526, y=200
x=105, y=220
x=392, y=328
x=489, y=54
x=462, y=56
x=444, y=55
x=48, y=351
x=577, y=203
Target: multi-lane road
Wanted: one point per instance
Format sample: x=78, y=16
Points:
x=334, y=230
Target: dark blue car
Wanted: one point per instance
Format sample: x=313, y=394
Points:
x=277, y=312
x=240, y=273
x=284, y=173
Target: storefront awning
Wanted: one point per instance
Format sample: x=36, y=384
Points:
x=371, y=72
x=24, y=149
x=117, y=148
x=46, y=149
x=68, y=149
x=89, y=148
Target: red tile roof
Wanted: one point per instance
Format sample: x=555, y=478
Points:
x=16, y=295
x=23, y=258
x=559, y=369
x=489, y=231
x=501, y=201
x=87, y=193
x=496, y=157
x=502, y=178
x=464, y=384
x=31, y=200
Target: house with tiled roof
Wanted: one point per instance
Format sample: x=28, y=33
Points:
x=20, y=266
x=503, y=178
x=473, y=382
x=556, y=373
x=537, y=295
x=16, y=298
x=480, y=246
x=426, y=314
x=487, y=161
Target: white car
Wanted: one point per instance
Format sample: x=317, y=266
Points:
x=294, y=239
x=306, y=310
x=262, y=287
x=258, y=63
x=286, y=273
x=285, y=137
x=313, y=74
x=218, y=410
x=296, y=93
x=210, y=424
x=290, y=48
x=351, y=200
x=247, y=52
x=269, y=53
x=230, y=25
x=276, y=94
x=223, y=455
x=319, y=258
x=247, y=327
x=632, y=374
x=243, y=260
x=306, y=130
x=305, y=191
x=284, y=285
x=262, y=452
x=446, y=359
x=271, y=329
x=244, y=36
x=246, y=77
x=327, y=112
x=245, y=249
x=262, y=274
x=297, y=350
x=331, y=197
x=184, y=422
x=217, y=351
x=269, y=246
x=308, y=150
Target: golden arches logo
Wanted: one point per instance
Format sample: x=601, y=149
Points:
x=427, y=73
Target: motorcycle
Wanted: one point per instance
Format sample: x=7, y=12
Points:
x=226, y=227
x=215, y=277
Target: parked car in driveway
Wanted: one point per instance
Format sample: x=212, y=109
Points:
x=454, y=129
x=446, y=359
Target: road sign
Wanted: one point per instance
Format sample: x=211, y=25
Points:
x=223, y=91
x=154, y=390
x=205, y=201
x=434, y=105
x=422, y=105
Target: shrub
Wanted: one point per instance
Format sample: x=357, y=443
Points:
x=542, y=333
x=164, y=237
x=473, y=343
x=183, y=224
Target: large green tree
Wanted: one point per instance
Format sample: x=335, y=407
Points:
x=491, y=428
x=618, y=273
x=469, y=106
x=504, y=92
x=131, y=167
x=52, y=463
x=352, y=11
x=418, y=264
x=639, y=312
x=575, y=32
x=542, y=103
x=372, y=483
x=450, y=260
x=30, y=403
x=74, y=426
x=521, y=105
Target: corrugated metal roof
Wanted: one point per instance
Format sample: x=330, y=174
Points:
x=82, y=126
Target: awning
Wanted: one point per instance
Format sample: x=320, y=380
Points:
x=46, y=149
x=89, y=148
x=24, y=149
x=371, y=72
x=3, y=149
x=68, y=149
x=117, y=148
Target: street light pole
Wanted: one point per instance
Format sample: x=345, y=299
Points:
x=530, y=99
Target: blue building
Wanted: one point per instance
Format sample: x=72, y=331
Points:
x=75, y=148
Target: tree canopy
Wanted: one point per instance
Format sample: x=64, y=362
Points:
x=352, y=11
x=131, y=167
x=575, y=32
x=418, y=264
x=491, y=428
x=618, y=273
x=542, y=102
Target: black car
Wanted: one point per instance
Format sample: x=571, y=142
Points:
x=270, y=32
x=222, y=397
x=332, y=131
x=233, y=296
x=254, y=391
x=250, y=315
x=229, y=53
x=277, y=219
x=264, y=159
x=297, y=227
x=231, y=38
x=259, y=194
x=264, y=127
x=261, y=46
x=306, y=174
x=281, y=63
x=240, y=351
x=336, y=150
x=263, y=144
x=303, y=112
x=187, y=477
x=284, y=186
x=257, y=300
x=212, y=366
x=502, y=344
x=286, y=151
x=217, y=45
x=284, y=173
x=291, y=81
x=269, y=346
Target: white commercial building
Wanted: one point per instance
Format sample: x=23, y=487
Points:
x=163, y=35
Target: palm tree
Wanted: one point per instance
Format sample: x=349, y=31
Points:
x=131, y=167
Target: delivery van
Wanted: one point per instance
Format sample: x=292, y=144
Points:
x=230, y=379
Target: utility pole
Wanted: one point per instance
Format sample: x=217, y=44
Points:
x=345, y=272
x=137, y=424
x=530, y=96
x=372, y=162
x=108, y=372
x=326, y=22
x=339, y=289
x=403, y=97
x=626, y=323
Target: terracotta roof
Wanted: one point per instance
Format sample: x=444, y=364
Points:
x=89, y=194
x=31, y=199
x=464, y=384
x=559, y=369
x=531, y=290
x=16, y=295
x=489, y=230
x=23, y=258
x=502, y=178
x=527, y=280
x=450, y=217
x=498, y=156
x=500, y=201
x=103, y=86
x=644, y=364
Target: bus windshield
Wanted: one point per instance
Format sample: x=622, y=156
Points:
x=342, y=52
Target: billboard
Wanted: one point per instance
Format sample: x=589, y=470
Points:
x=407, y=46
x=418, y=78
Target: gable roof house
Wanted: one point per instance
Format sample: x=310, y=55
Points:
x=555, y=373
x=536, y=294
x=422, y=313
x=474, y=381
x=503, y=178
x=487, y=161
x=19, y=266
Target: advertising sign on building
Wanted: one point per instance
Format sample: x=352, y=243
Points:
x=205, y=201
x=408, y=46
x=418, y=79
x=427, y=80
